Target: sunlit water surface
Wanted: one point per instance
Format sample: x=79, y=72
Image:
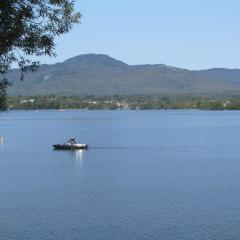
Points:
x=147, y=175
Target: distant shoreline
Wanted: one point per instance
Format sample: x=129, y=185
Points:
x=125, y=110
x=62, y=103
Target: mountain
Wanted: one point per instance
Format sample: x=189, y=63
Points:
x=98, y=74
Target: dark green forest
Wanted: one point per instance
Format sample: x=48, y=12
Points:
x=124, y=102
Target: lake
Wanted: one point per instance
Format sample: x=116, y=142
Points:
x=146, y=175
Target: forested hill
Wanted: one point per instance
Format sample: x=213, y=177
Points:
x=97, y=74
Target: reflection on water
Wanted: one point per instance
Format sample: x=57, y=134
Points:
x=1, y=143
x=79, y=156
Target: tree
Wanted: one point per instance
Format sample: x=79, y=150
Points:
x=3, y=99
x=29, y=28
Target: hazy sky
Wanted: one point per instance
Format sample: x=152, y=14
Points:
x=194, y=34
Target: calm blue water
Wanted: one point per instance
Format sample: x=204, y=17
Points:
x=147, y=175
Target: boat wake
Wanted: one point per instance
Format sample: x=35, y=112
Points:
x=179, y=149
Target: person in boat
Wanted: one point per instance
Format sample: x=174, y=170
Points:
x=72, y=141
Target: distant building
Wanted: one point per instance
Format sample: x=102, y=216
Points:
x=27, y=101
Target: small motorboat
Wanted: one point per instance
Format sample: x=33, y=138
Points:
x=70, y=144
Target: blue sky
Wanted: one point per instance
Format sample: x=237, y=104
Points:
x=193, y=34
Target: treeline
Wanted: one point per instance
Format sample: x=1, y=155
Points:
x=124, y=102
